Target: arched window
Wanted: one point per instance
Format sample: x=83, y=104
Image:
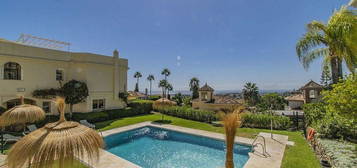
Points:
x=12, y=71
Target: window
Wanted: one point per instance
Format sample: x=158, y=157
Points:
x=46, y=106
x=12, y=71
x=59, y=75
x=312, y=94
x=98, y=104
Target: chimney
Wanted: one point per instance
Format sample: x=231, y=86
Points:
x=115, y=53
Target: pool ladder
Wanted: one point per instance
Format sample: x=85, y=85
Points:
x=265, y=153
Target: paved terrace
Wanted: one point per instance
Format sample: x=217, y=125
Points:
x=275, y=147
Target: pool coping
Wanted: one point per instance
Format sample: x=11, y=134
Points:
x=275, y=147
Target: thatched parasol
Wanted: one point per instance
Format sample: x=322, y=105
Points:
x=161, y=104
x=231, y=122
x=61, y=141
x=22, y=114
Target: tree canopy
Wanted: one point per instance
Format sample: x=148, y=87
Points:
x=334, y=41
x=194, y=86
x=75, y=92
x=251, y=93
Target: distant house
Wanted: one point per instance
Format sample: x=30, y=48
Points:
x=309, y=93
x=208, y=101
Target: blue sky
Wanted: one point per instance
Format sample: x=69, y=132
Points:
x=223, y=42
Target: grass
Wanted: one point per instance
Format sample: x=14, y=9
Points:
x=297, y=156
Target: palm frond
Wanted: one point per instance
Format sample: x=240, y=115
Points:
x=353, y=3
x=343, y=28
x=314, y=54
x=309, y=42
x=316, y=27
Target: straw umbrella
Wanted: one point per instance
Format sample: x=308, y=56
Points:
x=61, y=141
x=161, y=104
x=231, y=122
x=22, y=114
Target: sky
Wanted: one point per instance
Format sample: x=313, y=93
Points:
x=225, y=43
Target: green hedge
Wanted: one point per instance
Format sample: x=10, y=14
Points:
x=137, y=107
x=263, y=121
x=91, y=117
x=189, y=113
x=141, y=106
x=154, y=97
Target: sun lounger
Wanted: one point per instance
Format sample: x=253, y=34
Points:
x=30, y=128
x=86, y=123
x=11, y=138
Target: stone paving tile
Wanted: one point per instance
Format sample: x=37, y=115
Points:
x=275, y=148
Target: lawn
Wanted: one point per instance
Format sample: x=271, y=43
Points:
x=300, y=155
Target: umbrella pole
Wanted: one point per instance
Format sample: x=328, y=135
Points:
x=24, y=128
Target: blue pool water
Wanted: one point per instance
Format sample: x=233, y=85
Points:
x=151, y=147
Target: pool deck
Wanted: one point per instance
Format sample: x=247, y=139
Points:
x=274, y=147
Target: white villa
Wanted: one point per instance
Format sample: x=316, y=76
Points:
x=25, y=68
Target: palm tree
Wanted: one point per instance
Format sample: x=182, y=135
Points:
x=169, y=88
x=194, y=86
x=251, y=93
x=162, y=84
x=332, y=41
x=166, y=72
x=137, y=75
x=150, y=78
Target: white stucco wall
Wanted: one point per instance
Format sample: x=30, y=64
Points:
x=39, y=67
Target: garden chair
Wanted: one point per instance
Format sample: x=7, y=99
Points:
x=86, y=123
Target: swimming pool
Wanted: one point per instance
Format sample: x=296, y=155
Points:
x=151, y=147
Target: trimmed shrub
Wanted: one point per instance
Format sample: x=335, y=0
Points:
x=154, y=97
x=160, y=105
x=141, y=106
x=124, y=96
x=127, y=112
x=189, y=113
x=91, y=117
x=263, y=121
